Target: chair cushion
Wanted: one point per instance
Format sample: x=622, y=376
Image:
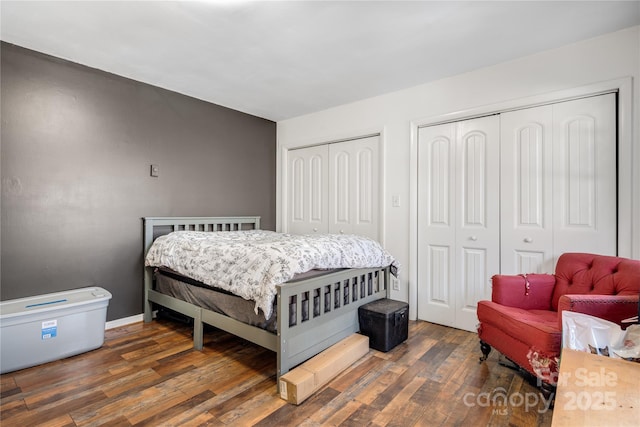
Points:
x=537, y=328
x=526, y=291
x=589, y=274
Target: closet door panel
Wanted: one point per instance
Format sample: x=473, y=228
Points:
x=526, y=202
x=477, y=185
x=296, y=171
x=318, y=191
x=366, y=178
x=436, y=224
x=477, y=235
x=585, y=178
x=308, y=192
x=438, y=275
x=341, y=183
x=474, y=263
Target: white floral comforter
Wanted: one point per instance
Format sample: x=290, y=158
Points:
x=251, y=263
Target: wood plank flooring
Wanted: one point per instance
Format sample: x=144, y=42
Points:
x=149, y=375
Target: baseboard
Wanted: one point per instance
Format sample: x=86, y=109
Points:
x=124, y=321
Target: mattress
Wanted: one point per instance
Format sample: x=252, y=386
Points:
x=252, y=263
x=173, y=284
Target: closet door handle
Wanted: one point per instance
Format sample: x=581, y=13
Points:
x=341, y=231
x=473, y=238
x=528, y=240
x=315, y=230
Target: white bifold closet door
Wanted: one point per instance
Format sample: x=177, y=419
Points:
x=558, y=183
x=458, y=219
x=508, y=194
x=334, y=188
x=527, y=189
x=585, y=178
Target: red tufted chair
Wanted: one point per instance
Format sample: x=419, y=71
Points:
x=523, y=320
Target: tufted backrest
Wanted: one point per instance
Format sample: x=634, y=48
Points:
x=590, y=274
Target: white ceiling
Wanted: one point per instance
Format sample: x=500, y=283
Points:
x=279, y=60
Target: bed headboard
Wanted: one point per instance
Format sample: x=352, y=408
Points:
x=155, y=227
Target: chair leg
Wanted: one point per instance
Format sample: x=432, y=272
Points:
x=549, y=392
x=486, y=349
x=508, y=363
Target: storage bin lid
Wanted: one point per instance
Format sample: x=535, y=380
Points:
x=53, y=301
x=384, y=306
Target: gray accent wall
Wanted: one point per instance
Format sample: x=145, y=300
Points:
x=76, y=149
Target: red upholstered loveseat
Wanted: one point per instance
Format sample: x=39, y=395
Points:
x=523, y=320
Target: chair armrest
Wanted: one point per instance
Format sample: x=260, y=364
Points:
x=613, y=308
x=529, y=292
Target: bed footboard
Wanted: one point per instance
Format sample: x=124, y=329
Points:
x=316, y=313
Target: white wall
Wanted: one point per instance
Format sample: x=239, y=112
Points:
x=613, y=58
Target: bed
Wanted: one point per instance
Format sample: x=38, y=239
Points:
x=311, y=313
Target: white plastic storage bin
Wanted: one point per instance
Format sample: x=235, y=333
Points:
x=49, y=327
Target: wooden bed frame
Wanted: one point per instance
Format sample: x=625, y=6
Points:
x=336, y=297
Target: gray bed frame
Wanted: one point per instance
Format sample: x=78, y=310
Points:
x=336, y=297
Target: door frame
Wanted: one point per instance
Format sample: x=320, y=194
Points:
x=628, y=236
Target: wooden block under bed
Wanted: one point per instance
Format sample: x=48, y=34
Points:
x=300, y=383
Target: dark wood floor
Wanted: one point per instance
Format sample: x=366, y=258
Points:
x=148, y=374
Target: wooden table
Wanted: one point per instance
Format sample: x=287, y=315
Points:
x=596, y=391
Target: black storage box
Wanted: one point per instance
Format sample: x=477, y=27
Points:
x=385, y=322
